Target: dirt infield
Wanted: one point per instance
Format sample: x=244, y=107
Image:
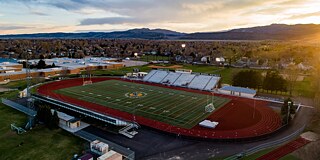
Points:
x=240, y=118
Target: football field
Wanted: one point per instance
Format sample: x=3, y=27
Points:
x=175, y=107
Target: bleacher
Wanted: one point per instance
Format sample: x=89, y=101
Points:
x=158, y=76
x=200, y=82
x=188, y=80
x=171, y=78
x=184, y=80
x=149, y=75
x=212, y=83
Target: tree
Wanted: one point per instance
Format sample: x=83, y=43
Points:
x=45, y=116
x=41, y=56
x=291, y=74
x=247, y=78
x=55, y=120
x=274, y=82
x=53, y=65
x=24, y=64
x=41, y=64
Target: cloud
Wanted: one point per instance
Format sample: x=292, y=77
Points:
x=38, y=13
x=109, y=20
x=306, y=15
x=13, y=27
x=202, y=15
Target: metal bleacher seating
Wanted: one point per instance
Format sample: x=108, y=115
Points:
x=184, y=80
x=199, y=82
x=194, y=81
x=171, y=78
x=158, y=76
x=149, y=75
x=212, y=83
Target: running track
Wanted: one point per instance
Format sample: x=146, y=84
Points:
x=238, y=119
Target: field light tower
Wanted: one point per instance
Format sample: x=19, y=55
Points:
x=30, y=104
x=183, y=45
x=289, y=107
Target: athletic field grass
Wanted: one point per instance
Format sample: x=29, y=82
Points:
x=40, y=143
x=174, y=107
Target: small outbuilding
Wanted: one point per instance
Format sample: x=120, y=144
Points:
x=238, y=91
x=68, y=121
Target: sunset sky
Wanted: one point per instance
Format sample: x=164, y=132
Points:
x=37, y=16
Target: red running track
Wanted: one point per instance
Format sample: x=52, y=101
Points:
x=237, y=119
x=285, y=149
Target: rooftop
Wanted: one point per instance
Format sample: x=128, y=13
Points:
x=239, y=89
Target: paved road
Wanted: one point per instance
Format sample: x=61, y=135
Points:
x=153, y=145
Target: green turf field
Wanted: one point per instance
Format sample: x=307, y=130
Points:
x=175, y=107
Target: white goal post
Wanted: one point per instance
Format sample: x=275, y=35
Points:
x=86, y=82
x=209, y=108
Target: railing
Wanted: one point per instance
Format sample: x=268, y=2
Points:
x=19, y=107
x=267, y=145
x=103, y=117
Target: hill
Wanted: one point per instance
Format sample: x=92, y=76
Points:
x=270, y=32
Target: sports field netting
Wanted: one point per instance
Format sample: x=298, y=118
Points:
x=174, y=107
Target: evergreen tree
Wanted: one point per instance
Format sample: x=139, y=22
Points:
x=55, y=119
x=274, y=82
x=41, y=64
x=247, y=78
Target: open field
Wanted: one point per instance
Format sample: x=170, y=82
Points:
x=174, y=107
x=38, y=144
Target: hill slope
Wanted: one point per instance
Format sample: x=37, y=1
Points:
x=270, y=32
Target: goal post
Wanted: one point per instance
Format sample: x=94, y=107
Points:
x=209, y=108
x=87, y=76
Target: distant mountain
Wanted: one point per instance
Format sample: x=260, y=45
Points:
x=270, y=32
x=143, y=33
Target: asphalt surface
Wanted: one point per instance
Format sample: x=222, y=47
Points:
x=153, y=145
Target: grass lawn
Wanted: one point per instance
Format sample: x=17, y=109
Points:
x=289, y=157
x=120, y=72
x=149, y=58
x=20, y=84
x=226, y=73
x=38, y=144
x=175, y=107
x=258, y=154
x=304, y=88
x=263, y=152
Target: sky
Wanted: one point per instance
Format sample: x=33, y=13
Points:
x=40, y=16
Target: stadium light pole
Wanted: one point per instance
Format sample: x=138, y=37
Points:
x=183, y=49
x=289, y=107
x=30, y=104
x=254, y=108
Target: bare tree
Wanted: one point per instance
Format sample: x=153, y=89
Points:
x=291, y=75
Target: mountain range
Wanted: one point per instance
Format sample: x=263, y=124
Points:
x=269, y=32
